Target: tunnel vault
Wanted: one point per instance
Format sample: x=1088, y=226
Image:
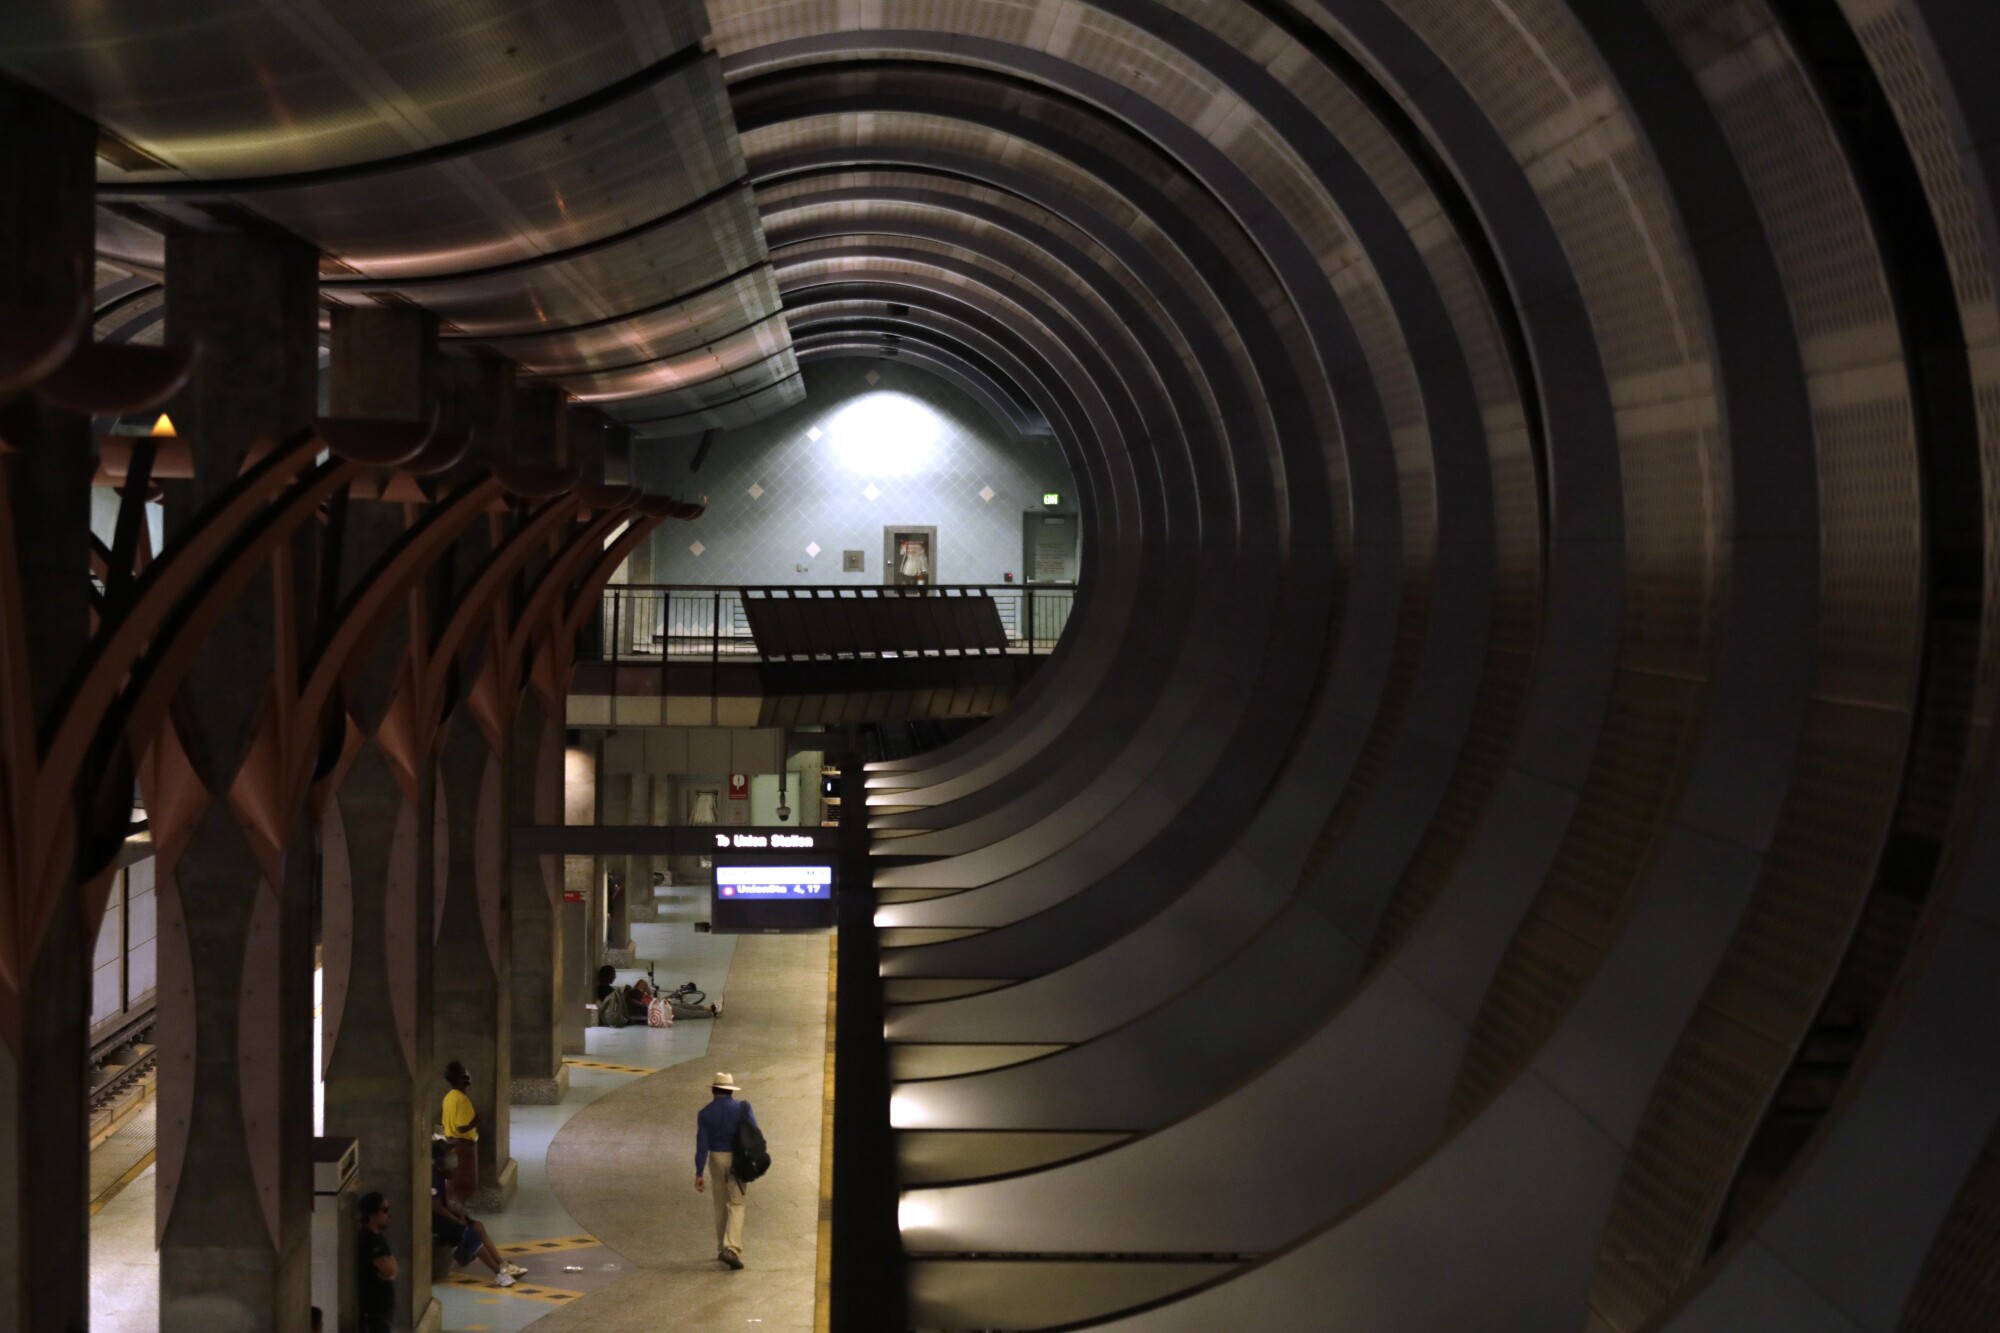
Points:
x=1526, y=729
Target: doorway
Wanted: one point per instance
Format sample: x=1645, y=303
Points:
x=909, y=555
x=700, y=803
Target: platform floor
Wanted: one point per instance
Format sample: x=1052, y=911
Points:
x=606, y=1219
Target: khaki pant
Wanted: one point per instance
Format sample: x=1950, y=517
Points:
x=727, y=1192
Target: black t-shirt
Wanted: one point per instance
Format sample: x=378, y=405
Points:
x=377, y=1293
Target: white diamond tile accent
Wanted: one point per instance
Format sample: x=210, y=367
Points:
x=813, y=491
x=872, y=491
x=755, y=492
x=812, y=548
x=696, y=550
x=814, y=433
x=987, y=493
x=874, y=377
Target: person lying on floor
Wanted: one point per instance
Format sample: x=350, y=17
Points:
x=639, y=995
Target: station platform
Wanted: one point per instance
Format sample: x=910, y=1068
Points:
x=605, y=1218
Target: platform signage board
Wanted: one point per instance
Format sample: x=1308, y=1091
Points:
x=774, y=883
x=771, y=890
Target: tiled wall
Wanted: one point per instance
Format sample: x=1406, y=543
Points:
x=873, y=444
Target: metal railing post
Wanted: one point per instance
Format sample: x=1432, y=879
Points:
x=617, y=617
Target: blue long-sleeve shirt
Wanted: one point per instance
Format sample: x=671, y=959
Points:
x=715, y=1128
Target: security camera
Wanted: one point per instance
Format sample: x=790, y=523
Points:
x=784, y=813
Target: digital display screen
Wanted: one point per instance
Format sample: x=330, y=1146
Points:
x=762, y=884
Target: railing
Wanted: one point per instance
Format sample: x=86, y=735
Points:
x=686, y=623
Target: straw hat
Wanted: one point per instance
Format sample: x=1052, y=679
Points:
x=725, y=1083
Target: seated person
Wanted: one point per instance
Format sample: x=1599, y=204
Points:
x=612, y=1009
x=451, y=1227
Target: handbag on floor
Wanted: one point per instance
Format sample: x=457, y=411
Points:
x=657, y=1015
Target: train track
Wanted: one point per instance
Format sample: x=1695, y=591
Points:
x=134, y=1042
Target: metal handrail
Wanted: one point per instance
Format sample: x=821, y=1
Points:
x=692, y=622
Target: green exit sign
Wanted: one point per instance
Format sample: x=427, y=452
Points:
x=1051, y=499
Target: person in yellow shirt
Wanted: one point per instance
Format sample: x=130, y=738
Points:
x=461, y=1130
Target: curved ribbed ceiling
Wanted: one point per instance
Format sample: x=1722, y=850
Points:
x=1527, y=692
x=561, y=184
x=1524, y=740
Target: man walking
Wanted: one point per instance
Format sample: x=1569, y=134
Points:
x=715, y=1131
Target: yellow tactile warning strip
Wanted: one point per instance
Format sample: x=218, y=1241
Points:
x=616, y=1069
x=823, y=1276
x=121, y=1157
x=97, y=1204
x=520, y=1291
x=555, y=1246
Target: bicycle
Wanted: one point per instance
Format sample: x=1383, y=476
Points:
x=689, y=994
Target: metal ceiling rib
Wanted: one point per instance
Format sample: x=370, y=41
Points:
x=682, y=325
x=562, y=180
x=255, y=89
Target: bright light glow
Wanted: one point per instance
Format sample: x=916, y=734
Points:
x=885, y=435
x=913, y=1214
x=579, y=793
x=906, y=1109
x=164, y=426
x=319, y=1047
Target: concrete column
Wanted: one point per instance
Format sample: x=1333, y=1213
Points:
x=639, y=876
x=616, y=790
x=869, y=1291
x=541, y=425
x=384, y=363
x=662, y=787
x=583, y=896
x=476, y=393
x=591, y=443
x=618, y=454
x=475, y=943
x=236, y=961
x=47, y=175
x=643, y=617
x=535, y=791
x=380, y=844
x=580, y=953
